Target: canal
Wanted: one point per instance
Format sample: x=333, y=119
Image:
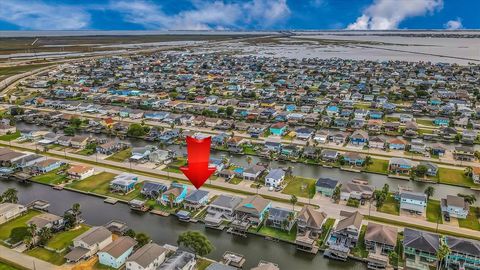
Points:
x=166, y=229
x=308, y=170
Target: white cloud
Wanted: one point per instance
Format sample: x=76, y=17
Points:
x=388, y=14
x=454, y=24
x=318, y=3
x=34, y=15
x=204, y=16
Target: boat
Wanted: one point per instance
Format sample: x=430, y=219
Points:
x=138, y=205
x=183, y=215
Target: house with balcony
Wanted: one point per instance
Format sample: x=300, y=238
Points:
x=380, y=240
x=88, y=244
x=253, y=172
x=281, y=218
x=221, y=209
x=116, y=253
x=275, y=178
x=175, y=194
x=464, y=153
x=464, y=253
x=354, y=159
x=309, y=228
x=278, y=129
x=80, y=172
x=476, y=174
x=420, y=249
x=358, y=190
x=401, y=165
x=326, y=186
x=252, y=210
x=124, y=183
x=344, y=235
x=397, y=144
x=359, y=138
x=441, y=122
x=148, y=257
x=196, y=199
x=455, y=206
x=413, y=202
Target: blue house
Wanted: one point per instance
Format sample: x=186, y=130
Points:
x=48, y=165
x=177, y=191
x=124, y=183
x=217, y=163
x=290, y=107
x=376, y=115
x=116, y=253
x=157, y=116
x=441, y=121
x=332, y=110
x=354, y=158
x=278, y=129
x=359, y=137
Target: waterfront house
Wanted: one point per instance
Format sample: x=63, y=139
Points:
x=309, y=228
x=432, y=168
x=359, y=138
x=420, y=249
x=124, y=183
x=464, y=253
x=329, y=155
x=273, y=146
x=376, y=142
x=380, y=240
x=220, y=266
x=464, y=153
x=148, y=257
x=180, y=260
x=344, y=235
x=116, y=253
x=476, y=174
x=358, y=190
x=221, y=209
x=253, y=172
x=401, y=165
x=326, y=186
x=175, y=194
x=438, y=149
x=278, y=129
x=275, y=178
x=79, y=142
x=455, y=206
x=47, y=165
x=159, y=156
x=263, y=265
x=9, y=211
x=141, y=153
x=64, y=140
x=196, y=199
x=280, y=218
x=89, y=243
x=234, y=144
x=252, y=209
x=153, y=189
x=441, y=121
x=397, y=144
x=8, y=158
x=27, y=161
x=110, y=147
x=47, y=220
x=354, y=158
x=413, y=202
x=80, y=172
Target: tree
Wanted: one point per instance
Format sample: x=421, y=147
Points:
x=28, y=241
x=421, y=170
x=10, y=196
x=336, y=193
x=171, y=199
x=76, y=212
x=196, y=242
x=44, y=235
x=131, y=233
x=69, y=131
x=136, y=130
x=442, y=252
x=142, y=239
x=229, y=110
x=249, y=160
x=469, y=198
x=393, y=258
x=293, y=201
x=368, y=160
x=32, y=233
x=75, y=122
x=429, y=191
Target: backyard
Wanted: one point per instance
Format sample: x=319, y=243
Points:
x=63, y=239
x=279, y=234
x=327, y=226
x=471, y=222
x=10, y=137
x=434, y=211
x=377, y=166
x=52, y=177
x=360, y=249
x=454, y=177
x=390, y=206
x=6, y=228
x=120, y=156
x=299, y=186
x=46, y=255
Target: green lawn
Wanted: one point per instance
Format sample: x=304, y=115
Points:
x=248, y=150
x=9, y=266
x=99, y=266
x=13, y=70
x=377, y=166
x=425, y=122
x=390, y=206
x=172, y=169
x=100, y=184
x=360, y=249
x=85, y=152
x=62, y=240
x=434, y=211
x=454, y=177
x=51, y=177
x=279, y=234
x=471, y=222
x=46, y=255
x=6, y=228
x=10, y=137
x=235, y=180
x=202, y=264
x=300, y=187
x=121, y=156
x=154, y=205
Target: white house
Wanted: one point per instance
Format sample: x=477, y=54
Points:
x=275, y=178
x=89, y=243
x=79, y=172
x=116, y=253
x=148, y=257
x=9, y=211
x=455, y=206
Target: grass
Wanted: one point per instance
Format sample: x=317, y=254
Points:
x=7, y=265
x=100, y=184
x=434, y=211
x=51, y=177
x=326, y=227
x=248, y=150
x=279, y=234
x=390, y=206
x=85, y=152
x=425, y=122
x=10, y=137
x=99, y=266
x=13, y=70
x=300, y=187
x=120, y=156
x=62, y=240
x=202, y=264
x=236, y=180
x=454, y=177
x=360, y=249
x=471, y=222
x=4, y=266
x=46, y=255
x=377, y=166
x=6, y=228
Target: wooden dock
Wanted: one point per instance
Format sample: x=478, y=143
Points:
x=160, y=213
x=58, y=187
x=110, y=200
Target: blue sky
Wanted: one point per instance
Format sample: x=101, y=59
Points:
x=238, y=14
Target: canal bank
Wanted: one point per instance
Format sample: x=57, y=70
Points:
x=166, y=229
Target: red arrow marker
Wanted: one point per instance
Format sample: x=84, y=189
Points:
x=198, y=155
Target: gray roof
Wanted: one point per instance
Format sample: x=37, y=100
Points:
x=118, y=247
x=177, y=261
x=456, y=201
x=416, y=196
x=382, y=234
x=219, y=266
x=350, y=219
x=279, y=213
x=461, y=245
x=196, y=195
x=326, y=183
x=421, y=240
x=276, y=174
x=147, y=254
x=227, y=201
x=94, y=235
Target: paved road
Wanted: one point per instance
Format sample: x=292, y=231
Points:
x=27, y=261
x=325, y=204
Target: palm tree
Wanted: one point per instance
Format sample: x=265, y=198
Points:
x=28, y=241
x=442, y=252
x=249, y=160
x=171, y=199
x=76, y=212
x=429, y=191
x=293, y=201
x=32, y=233
x=10, y=196
x=266, y=215
x=469, y=198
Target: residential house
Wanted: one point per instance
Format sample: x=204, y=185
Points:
x=401, y=165
x=221, y=209
x=89, y=243
x=79, y=142
x=7, y=129
x=359, y=138
x=80, y=172
x=476, y=174
x=413, y=202
x=420, y=249
x=356, y=189
x=397, y=144
x=28, y=161
x=116, y=253
x=455, y=206
x=9, y=211
x=196, y=199
x=432, y=168
x=438, y=149
x=278, y=129
x=47, y=165
x=464, y=153
x=180, y=260
x=175, y=194
x=329, y=155
x=153, y=189
x=418, y=146
x=376, y=142
x=252, y=209
x=321, y=137
x=354, y=158
x=344, y=235
x=110, y=147
x=326, y=186
x=304, y=133
x=309, y=227
x=275, y=178
x=253, y=172
x=464, y=253
x=441, y=121
x=148, y=257
x=380, y=240
x=47, y=220
x=124, y=183
x=280, y=218
x=273, y=146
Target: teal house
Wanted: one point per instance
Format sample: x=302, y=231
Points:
x=326, y=186
x=420, y=249
x=441, y=121
x=464, y=253
x=176, y=191
x=116, y=253
x=278, y=129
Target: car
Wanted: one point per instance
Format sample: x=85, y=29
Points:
x=446, y=216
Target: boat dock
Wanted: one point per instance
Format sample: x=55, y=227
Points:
x=58, y=187
x=160, y=213
x=110, y=200
x=233, y=259
x=39, y=205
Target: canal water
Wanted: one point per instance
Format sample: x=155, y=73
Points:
x=166, y=229
x=307, y=170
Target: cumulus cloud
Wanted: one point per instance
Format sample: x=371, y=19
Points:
x=454, y=24
x=205, y=15
x=388, y=14
x=37, y=15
